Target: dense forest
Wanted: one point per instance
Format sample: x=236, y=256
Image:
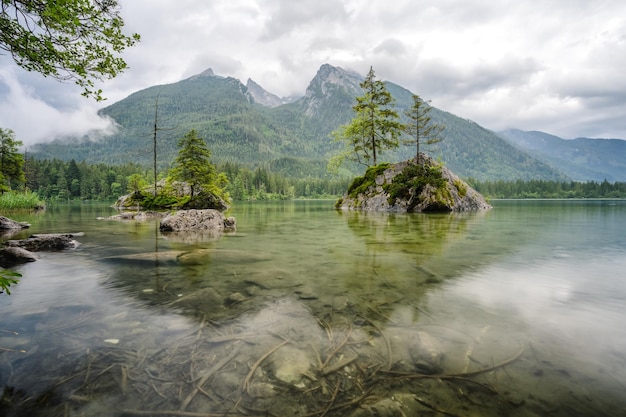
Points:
x=549, y=189
x=57, y=180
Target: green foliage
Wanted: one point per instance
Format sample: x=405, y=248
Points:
x=548, y=189
x=375, y=126
x=193, y=165
x=8, y=278
x=415, y=177
x=236, y=129
x=265, y=184
x=11, y=161
x=161, y=201
x=460, y=186
x=75, y=40
x=136, y=182
x=55, y=180
x=361, y=184
x=20, y=200
x=420, y=127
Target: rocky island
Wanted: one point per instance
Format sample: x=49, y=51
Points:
x=415, y=185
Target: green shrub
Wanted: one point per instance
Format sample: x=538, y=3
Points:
x=460, y=186
x=361, y=184
x=159, y=201
x=414, y=177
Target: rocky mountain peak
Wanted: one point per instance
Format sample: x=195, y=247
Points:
x=334, y=84
x=261, y=96
x=329, y=77
x=206, y=73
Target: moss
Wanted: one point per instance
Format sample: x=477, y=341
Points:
x=361, y=184
x=339, y=203
x=460, y=186
x=414, y=177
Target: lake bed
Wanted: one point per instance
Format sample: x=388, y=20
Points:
x=308, y=311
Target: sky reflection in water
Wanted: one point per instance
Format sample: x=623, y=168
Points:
x=545, y=277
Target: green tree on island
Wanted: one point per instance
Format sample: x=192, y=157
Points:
x=77, y=40
x=193, y=163
x=375, y=127
x=420, y=127
x=11, y=161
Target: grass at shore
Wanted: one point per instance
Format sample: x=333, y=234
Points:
x=20, y=200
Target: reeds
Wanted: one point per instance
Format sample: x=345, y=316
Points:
x=20, y=200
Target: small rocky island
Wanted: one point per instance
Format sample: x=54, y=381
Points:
x=199, y=212
x=416, y=185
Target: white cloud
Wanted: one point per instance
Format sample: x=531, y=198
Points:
x=34, y=120
x=554, y=65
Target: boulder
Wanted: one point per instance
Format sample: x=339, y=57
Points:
x=12, y=256
x=415, y=351
x=8, y=224
x=43, y=242
x=411, y=194
x=197, y=220
x=290, y=364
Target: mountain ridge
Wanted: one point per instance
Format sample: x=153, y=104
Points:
x=239, y=128
x=581, y=158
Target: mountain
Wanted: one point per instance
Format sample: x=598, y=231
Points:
x=247, y=125
x=262, y=96
x=581, y=159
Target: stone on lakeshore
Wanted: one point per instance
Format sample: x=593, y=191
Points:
x=44, y=242
x=12, y=256
x=8, y=224
x=197, y=220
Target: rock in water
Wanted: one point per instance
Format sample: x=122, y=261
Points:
x=12, y=256
x=412, y=186
x=197, y=220
x=290, y=364
x=44, y=242
x=426, y=353
x=8, y=224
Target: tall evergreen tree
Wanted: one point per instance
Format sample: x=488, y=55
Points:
x=193, y=164
x=376, y=125
x=11, y=161
x=420, y=128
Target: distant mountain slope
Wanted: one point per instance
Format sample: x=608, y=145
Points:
x=245, y=124
x=581, y=159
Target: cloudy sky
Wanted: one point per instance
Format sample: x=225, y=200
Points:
x=551, y=65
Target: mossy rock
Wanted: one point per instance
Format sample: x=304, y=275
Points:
x=416, y=185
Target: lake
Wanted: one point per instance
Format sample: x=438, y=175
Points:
x=307, y=311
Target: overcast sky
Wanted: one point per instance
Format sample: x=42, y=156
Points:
x=552, y=65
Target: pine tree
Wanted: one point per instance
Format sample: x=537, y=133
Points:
x=193, y=165
x=420, y=127
x=375, y=127
x=11, y=161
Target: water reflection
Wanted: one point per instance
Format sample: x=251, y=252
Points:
x=308, y=311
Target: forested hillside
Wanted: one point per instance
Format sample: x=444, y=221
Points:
x=292, y=138
x=581, y=159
